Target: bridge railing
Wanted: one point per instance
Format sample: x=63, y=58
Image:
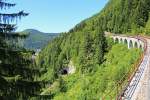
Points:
x=124, y=82
x=121, y=85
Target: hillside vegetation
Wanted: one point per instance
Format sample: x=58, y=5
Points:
x=92, y=80
x=103, y=80
x=98, y=62
x=82, y=48
x=36, y=39
x=120, y=16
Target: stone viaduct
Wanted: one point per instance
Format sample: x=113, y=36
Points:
x=138, y=88
x=132, y=42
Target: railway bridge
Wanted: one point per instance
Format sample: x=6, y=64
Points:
x=138, y=86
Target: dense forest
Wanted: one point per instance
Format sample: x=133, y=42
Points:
x=93, y=78
x=98, y=63
x=36, y=39
x=120, y=16
x=18, y=71
x=81, y=64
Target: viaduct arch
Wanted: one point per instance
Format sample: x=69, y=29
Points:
x=138, y=88
x=131, y=42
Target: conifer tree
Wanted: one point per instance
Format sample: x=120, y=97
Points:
x=17, y=73
x=100, y=45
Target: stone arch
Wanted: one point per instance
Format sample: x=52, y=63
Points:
x=125, y=41
x=130, y=44
x=129, y=41
x=140, y=46
x=135, y=45
x=116, y=40
x=121, y=40
x=113, y=38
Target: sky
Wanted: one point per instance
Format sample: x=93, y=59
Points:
x=54, y=16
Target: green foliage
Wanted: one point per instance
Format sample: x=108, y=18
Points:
x=119, y=16
x=99, y=63
x=36, y=39
x=18, y=72
x=147, y=29
x=79, y=47
x=93, y=79
x=102, y=81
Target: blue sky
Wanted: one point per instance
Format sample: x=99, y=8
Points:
x=56, y=15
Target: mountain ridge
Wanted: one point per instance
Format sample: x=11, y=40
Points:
x=36, y=31
x=32, y=31
x=36, y=39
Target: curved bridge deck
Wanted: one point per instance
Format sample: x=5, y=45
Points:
x=138, y=88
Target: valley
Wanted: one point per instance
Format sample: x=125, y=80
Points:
x=36, y=39
x=104, y=57
x=86, y=46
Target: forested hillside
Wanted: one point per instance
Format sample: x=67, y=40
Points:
x=80, y=47
x=120, y=16
x=96, y=59
x=95, y=75
x=36, y=39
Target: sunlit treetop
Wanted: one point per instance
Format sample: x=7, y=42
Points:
x=6, y=19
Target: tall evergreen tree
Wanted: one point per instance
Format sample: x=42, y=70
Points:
x=100, y=45
x=84, y=52
x=17, y=72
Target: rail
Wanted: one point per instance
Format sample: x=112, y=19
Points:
x=124, y=82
